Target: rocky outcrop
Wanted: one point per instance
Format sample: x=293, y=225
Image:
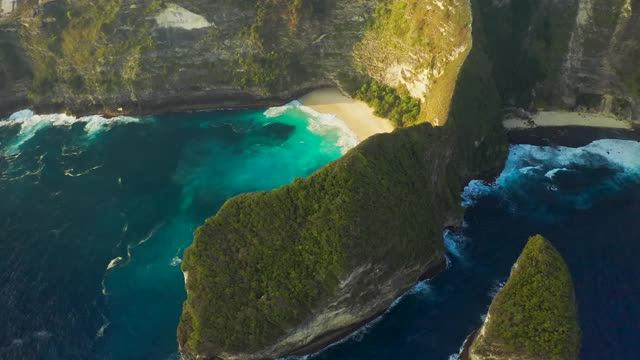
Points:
x=288, y=271
x=574, y=55
x=152, y=55
x=148, y=54
x=534, y=316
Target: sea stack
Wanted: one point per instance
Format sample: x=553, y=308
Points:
x=534, y=316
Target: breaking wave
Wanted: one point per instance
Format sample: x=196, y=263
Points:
x=320, y=124
x=610, y=162
x=455, y=241
x=30, y=123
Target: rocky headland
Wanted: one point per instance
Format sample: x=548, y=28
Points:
x=290, y=270
x=534, y=316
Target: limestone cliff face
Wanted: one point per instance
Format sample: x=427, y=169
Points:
x=601, y=67
x=291, y=270
x=149, y=55
x=534, y=316
x=574, y=54
x=154, y=55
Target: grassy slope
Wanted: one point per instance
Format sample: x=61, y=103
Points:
x=261, y=265
x=267, y=258
x=409, y=32
x=534, y=315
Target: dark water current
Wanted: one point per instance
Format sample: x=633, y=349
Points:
x=95, y=214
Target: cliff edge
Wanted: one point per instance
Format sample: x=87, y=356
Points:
x=534, y=317
x=291, y=270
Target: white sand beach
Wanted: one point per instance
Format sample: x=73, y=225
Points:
x=562, y=118
x=356, y=114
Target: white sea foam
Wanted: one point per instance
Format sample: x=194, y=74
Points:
x=22, y=114
x=422, y=288
x=100, y=332
x=529, y=169
x=104, y=288
x=175, y=261
x=42, y=334
x=552, y=173
x=69, y=172
x=30, y=123
x=323, y=124
x=473, y=191
x=149, y=235
x=454, y=242
x=96, y=124
x=496, y=287
x=460, y=350
x=12, y=176
x=17, y=342
x=280, y=110
x=115, y=262
x=621, y=155
x=105, y=325
x=320, y=124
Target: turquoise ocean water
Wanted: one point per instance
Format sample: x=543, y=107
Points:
x=95, y=215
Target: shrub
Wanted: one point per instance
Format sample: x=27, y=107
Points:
x=386, y=102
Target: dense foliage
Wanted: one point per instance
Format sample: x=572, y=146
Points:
x=535, y=313
x=270, y=66
x=421, y=45
x=387, y=103
x=266, y=261
x=259, y=266
x=77, y=44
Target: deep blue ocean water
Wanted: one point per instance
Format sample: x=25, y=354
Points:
x=95, y=214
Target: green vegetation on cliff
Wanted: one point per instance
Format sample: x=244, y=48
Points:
x=534, y=315
x=273, y=62
x=76, y=48
x=269, y=262
x=388, y=103
x=258, y=267
x=420, y=46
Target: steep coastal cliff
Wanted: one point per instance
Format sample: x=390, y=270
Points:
x=285, y=271
x=534, y=316
x=576, y=55
x=152, y=55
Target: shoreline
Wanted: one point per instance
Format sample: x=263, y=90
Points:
x=566, y=128
x=231, y=100
x=357, y=115
x=567, y=136
x=565, y=118
x=325, y=341
x=466, y=349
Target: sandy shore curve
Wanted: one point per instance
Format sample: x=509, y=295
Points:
x=357, y=115
x=566, y=118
